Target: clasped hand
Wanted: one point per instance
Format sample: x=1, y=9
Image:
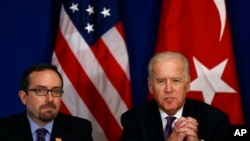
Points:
x=185, y=129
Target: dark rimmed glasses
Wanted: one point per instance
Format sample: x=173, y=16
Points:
x=44, y=92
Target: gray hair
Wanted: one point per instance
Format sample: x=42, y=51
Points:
x=167, y=55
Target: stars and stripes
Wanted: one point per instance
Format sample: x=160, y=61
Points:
x=91, y=54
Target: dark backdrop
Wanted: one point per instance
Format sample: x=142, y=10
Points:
x=27, y=33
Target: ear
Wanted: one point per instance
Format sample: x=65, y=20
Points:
x=22, y=96
x=188, y=86
x=150, y=85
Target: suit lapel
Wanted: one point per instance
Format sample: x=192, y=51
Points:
x=190, y=109
x=22, y=128
x=154, y=129
x=59, y=127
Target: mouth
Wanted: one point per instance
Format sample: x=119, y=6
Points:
x=48, y=107
x=169, y=99
x=48, y=110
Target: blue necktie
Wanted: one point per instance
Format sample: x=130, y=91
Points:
x=41, y=132
x=168, y=128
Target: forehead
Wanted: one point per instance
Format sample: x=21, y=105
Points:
x=173, y=66
x=46, y=77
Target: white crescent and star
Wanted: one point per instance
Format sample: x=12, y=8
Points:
x=221, y=7
x=209, y=81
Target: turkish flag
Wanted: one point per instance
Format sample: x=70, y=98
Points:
x=200, y=30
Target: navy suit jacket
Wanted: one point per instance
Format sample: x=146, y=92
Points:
x=144, y=123
x=68, y=128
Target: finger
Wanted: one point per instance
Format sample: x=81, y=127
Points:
x=190, y=132
x=187, y=131
x=192, y=120
x=180, y=121
x=187, y=123
x=192, y=126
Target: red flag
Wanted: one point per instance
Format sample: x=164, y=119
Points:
x=91, y=54
x=200, y=30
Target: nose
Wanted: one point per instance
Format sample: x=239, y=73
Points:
x=49, y=96
x=168, y=86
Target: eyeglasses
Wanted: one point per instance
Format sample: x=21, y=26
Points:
x=44, y=92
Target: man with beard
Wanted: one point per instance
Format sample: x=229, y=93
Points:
x=41, y=91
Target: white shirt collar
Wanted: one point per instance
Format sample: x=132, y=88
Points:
x=34, y=126
x=178, y=114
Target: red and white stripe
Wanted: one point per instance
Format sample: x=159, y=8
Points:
x=96, y=78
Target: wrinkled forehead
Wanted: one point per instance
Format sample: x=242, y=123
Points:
x=170, y=67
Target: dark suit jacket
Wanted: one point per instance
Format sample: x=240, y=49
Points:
x=68, y=128
x=144, y=123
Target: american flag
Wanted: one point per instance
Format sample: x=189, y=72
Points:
x=91, y=54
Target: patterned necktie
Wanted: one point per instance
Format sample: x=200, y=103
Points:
x=41, y=132
x=168, y=128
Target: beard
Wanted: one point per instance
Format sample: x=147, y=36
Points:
x=48, y=112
